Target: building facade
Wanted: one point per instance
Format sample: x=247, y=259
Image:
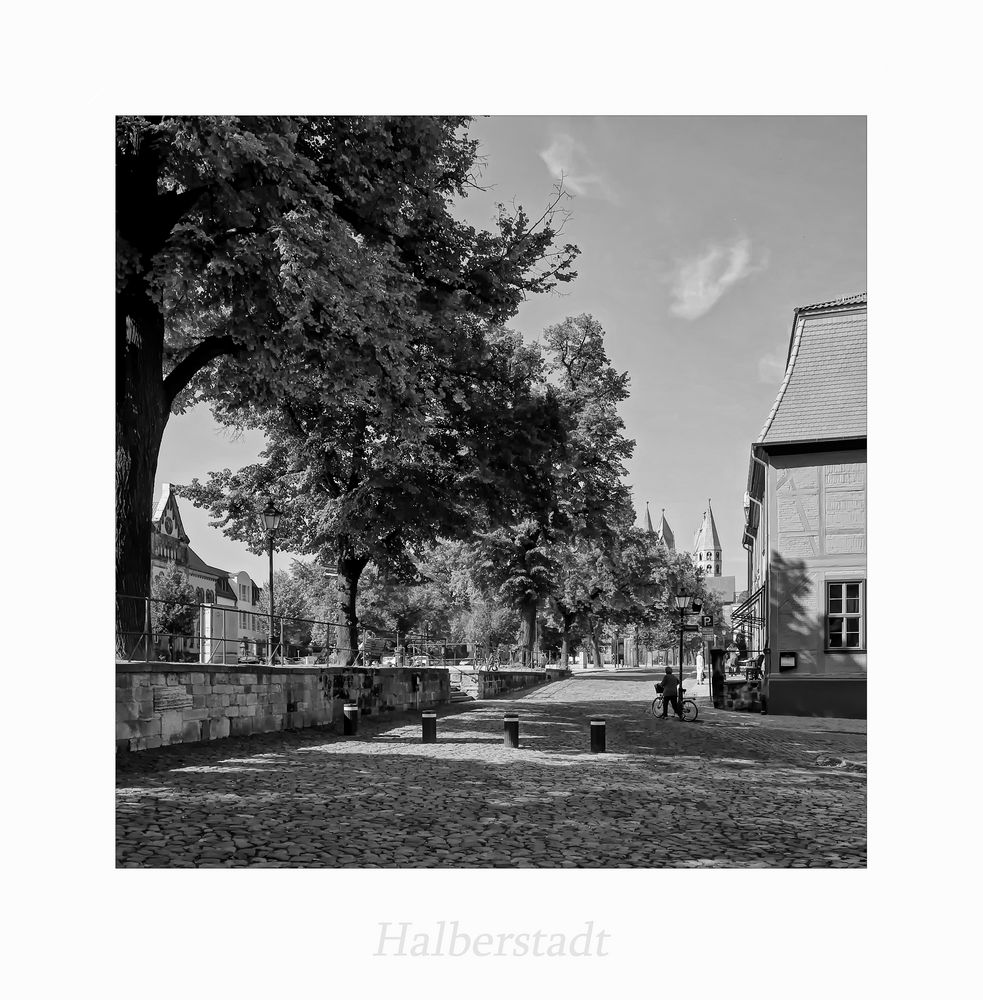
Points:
x=806, y=521
x=230, y=626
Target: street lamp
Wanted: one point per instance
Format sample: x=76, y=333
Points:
x=683, y=602
x=271, y=518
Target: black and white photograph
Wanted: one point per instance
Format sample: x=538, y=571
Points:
x=475, y=495
x=475, y=491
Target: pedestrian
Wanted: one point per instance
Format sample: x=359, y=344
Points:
x=701, y=668
x=670, y=686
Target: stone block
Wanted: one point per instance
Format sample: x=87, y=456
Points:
x=138, y=727
x=201, y=689
x=242, y=727
x=215, y=729
x=232, y=712
x=196, y=678
x=171, y=724
x=247, y=678
x=127, y=711
x=252, y=699
x=247, y=711
x=191, y=731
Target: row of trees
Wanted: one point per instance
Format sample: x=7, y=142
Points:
x=306, y=277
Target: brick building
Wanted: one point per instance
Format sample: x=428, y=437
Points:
x=806, y=520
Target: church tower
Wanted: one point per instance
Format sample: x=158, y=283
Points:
x=663, y=532
x=707, y=553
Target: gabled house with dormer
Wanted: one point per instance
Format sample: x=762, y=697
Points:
x=806, y=520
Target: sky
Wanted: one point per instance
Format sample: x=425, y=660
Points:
x=699, y=236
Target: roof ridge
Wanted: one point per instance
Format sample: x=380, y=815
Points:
x=846, y=300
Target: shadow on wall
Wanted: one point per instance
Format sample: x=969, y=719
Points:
x=795, y=595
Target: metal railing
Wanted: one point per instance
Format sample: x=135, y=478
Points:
x=193, y=632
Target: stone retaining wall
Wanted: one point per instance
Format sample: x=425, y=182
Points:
x=158, y=707
x=489, y=683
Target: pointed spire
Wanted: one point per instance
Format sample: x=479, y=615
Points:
x=648, y=520
x=665, y=533
x=714, y=537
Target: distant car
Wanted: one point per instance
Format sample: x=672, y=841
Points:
x=250, y=659
x=466, y=663
x=420, y=661
x=389, y=661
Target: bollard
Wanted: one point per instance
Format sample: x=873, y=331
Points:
x=598, y=735
x=351, y=720
x=511, y=730
x=429, y=727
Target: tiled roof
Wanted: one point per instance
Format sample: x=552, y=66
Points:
x=824, y=393
x=847, y=300
x=198, y=564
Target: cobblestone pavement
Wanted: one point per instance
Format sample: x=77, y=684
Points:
x=729, y=790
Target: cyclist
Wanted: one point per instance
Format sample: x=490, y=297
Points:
x=670, y=686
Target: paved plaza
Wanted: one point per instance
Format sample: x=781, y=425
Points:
x=730, y=790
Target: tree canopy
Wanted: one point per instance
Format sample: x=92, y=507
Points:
x=273, y=242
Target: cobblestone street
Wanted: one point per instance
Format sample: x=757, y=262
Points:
x=730, y=790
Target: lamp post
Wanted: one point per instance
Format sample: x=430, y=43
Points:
x=683, y=602
x=271, y=518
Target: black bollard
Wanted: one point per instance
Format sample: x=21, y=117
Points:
x=598, y=735
x=429, y=727
x=511, y=730
x=351, y=720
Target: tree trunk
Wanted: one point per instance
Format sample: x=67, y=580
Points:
x=595, y=643
x=527, y=612
x=349, y=571
x=141, y=414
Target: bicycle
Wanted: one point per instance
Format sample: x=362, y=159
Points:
x=690, y=711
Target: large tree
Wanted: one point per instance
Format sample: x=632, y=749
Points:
x=377, y=476
x=579, y=493
x=265, y=239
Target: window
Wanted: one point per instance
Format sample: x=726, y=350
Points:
x=845, y=615
x=243, y=620
x=244, y=591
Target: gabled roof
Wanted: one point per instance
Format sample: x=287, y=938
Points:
x=168, y=499
x=199, y=565
x=665, y=533
x=707, y=537
x=824, y=393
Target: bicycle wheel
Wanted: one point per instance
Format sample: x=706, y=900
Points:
x=690, y=711
x=656, y=707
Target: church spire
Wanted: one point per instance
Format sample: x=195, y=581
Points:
x=706, y=545
x=648, y=520
x=664, y=534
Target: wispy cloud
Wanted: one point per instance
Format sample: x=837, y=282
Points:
x=699, y=282
x=771, y=366
x=567, y=159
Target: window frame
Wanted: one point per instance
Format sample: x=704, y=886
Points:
x=860, y=616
